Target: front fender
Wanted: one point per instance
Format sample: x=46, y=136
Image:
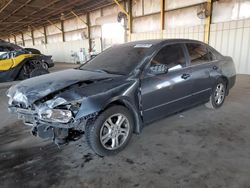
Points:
x=95, y=104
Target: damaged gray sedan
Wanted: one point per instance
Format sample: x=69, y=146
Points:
x=121, y=90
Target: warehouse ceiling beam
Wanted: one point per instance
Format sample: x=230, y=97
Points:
x=121, y=8
x=34, y=12
x=87, y=23
x=16, y=10
x=5, y=6
x=37, y=7
x=78, y=17
x=36, y=29
x=128, y=14
x=209, y=8
x=49, y=14
x=28, y=35
x=60, y=29
x=13, y=23
x=19, y=14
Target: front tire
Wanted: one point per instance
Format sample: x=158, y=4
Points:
x=111, y=131
x=218, y=95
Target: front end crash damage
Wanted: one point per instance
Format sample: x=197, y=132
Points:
x=54, y=119
x=60, y=110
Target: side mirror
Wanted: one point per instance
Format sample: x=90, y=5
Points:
x=158, y=69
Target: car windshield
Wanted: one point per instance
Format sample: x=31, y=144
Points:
x=119, y=59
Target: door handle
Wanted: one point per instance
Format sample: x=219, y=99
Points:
x=185, y=76
x=215, y=67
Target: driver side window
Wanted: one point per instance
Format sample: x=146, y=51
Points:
x=171, y=56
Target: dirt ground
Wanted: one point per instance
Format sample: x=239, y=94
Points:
x=196, y=148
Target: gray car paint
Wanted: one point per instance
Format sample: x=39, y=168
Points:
x=137, y=91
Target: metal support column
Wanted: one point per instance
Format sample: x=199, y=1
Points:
x=130, y=19
x=45, y=35
x=62, y=29
x=162, y=26
x=89, y=36
x=32, y=37
x=23, y=39
x=209, y=7
x=87, y=23
x=15, y=39
x=128, y=14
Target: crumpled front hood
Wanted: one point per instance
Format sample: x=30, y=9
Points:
x=33, y=89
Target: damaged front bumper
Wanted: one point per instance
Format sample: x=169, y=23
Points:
x=31, y=118
x=60, y=133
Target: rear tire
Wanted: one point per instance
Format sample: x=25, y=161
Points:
x=45, y=65
x=38, y=71
x=218, y=95
x=23, y=74
x=111, y=131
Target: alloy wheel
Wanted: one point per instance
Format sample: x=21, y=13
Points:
x=114, y=131
x=219, y=94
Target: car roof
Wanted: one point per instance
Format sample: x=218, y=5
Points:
x=8, y=44
x=165, y=41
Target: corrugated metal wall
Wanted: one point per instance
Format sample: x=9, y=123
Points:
x=63, y=51
x=230, y=28
x=229, y=38
x=229, y=34
x=194, y=32
x=233, y=39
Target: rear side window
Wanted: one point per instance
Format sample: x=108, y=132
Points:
x=199, y=53
x=172, y=56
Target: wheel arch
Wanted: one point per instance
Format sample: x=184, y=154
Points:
x=226, y=81
x=19, y=68
x=127, y=104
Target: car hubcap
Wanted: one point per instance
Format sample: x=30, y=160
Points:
x=219, y=93
x=114, y=131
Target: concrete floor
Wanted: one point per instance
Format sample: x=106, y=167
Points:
x=196, y=148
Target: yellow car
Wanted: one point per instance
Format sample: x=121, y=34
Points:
x=17, y=63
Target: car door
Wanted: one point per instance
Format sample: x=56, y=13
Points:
x=201, y=60
x=163, y=94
